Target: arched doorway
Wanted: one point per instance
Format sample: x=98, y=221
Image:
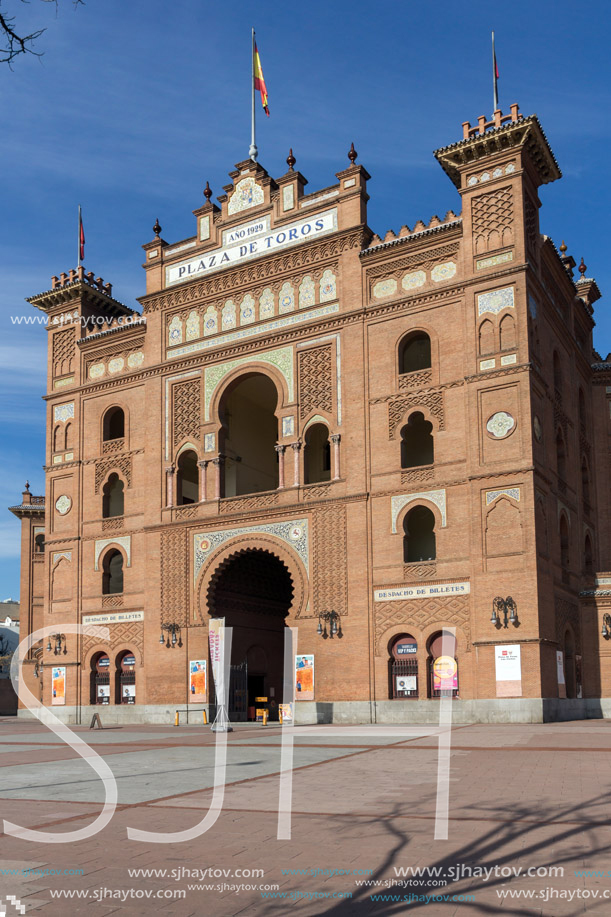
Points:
x=253, y=590
x=100, y=679
x=249, y=435
x=125, y=678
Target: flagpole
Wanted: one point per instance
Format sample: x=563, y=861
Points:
x=494, y=81
x=253, y=152
x=78, y=263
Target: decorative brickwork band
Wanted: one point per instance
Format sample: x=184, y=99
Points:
x=315, y=381
x=186, y=410
x=174, y=577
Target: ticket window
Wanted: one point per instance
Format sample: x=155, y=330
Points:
x=126, y=673
x=102, y=680
x=404, y=668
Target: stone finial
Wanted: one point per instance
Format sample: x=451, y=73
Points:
x=582, y=269
x=27, y=487
x=207, y=192
x=563, y=247
x=157, y=228
x=352, y=154
x=290, y=159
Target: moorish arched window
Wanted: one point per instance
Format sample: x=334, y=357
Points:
x=113, y=426
x=112, y=573
x=415, y=352
x=419, y=535
x=113, y=497
x=317, y=454
x=187, y=479
x=417, y=446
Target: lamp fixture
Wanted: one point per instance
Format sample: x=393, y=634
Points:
x=335, y=625
x=173, y=630
x=59, y=641
x=508, y=609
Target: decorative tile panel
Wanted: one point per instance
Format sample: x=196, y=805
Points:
x=210, y=442
x=443, y=271
x=57, y=555
x=486, y=364
x=385, y=288
x=123, y=541
x=192, y=326
x=63, y=412
x=211, y=321
x=495, y=301
x=328, y=286
x=294, y=533
x=175, y=331
x=97, y=371
x=135, y=360
x=247, y=194
x=116, y=365
x=414, y=279
x=266, y=304
x=63, y=504
x=228, y=314
x=508, y=359
x=438, y=497
x=307, y=293
x=282, y=359
x=247, y=310
x=493, y=260
x=513, y=492
x=288, y=426
x=287, y=298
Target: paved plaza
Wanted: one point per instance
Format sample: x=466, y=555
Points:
x=522, y=798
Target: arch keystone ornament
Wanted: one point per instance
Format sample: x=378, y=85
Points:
x=500, y=424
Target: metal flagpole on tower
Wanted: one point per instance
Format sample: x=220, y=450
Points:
x=78, y=235
x=494, y=76
x=253, y=152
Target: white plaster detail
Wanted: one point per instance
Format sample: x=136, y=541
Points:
x=247, y=310
x=57, y=555
x=153, y=253
x=307, y=293
x=124, y=541
x=175, y=331
x=266, y=304
x=513, y=492
x=350, y=183
x=437, y=497
x=493, y=260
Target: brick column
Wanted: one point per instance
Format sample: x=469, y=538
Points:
x=296, y=447
x=218, y=466
x=169, y=476
x=280, y=450
x=335, y=439
x=203, y=480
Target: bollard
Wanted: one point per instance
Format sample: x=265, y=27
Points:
x=176, y=723
x=205, y=717
x=265, y=715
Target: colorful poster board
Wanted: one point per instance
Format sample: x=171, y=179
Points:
x=286, y=713
x=58, y=685
x=445, y=674
x=304, y=677
x=508, y=668
x=197, y=681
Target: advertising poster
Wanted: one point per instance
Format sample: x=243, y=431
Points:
x=103, y=694
x=304, y=677
x=286, y=713
x=197, y=681
x=129, y=694
x=58, y=685
x=445, y=674
x=508, y=669
x=215, y=638
x=406, y=683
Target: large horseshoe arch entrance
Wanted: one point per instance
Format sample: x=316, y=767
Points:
x=253, y=591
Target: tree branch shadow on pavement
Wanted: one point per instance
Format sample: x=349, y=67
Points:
x=510, y=838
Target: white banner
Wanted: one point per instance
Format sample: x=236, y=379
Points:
x=216, y=638
x=508, y=663
x=292, y=234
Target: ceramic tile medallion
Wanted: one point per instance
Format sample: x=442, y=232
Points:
x=385, y=288
x=307, y=293
x=287, y=298
x=175, y=331
x=413, y=280
x=472, y=180
x=228, y=319
x=266, y=304
x=500, y=424
x=211, y=321
x=495, y=301
x=116, y=365
x=63, y=412
x=294, y=533
x=63, y=504
x=328, y=286
x=135, y=360
x=510, y=168
x=288, y=426
x=247, y=194
x=485, y=176
x=209, y=442
x=192, y=326
x=497, y=173
x=97, y=371
x=443, y=271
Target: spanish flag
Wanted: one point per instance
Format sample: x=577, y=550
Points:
x=260, y=80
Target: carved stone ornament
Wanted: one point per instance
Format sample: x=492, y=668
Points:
x=500, y=424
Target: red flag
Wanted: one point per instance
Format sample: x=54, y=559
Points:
x=260, y=81
x=81, y=236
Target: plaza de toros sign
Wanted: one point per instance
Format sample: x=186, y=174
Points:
x=250, y=243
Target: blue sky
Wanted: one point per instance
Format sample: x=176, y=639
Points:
x=134, y=106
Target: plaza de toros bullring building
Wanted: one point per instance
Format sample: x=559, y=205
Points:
x=366, y=438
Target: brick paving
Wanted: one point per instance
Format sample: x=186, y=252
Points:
x=520, y=796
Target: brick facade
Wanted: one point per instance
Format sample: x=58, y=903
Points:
x=466, y=343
